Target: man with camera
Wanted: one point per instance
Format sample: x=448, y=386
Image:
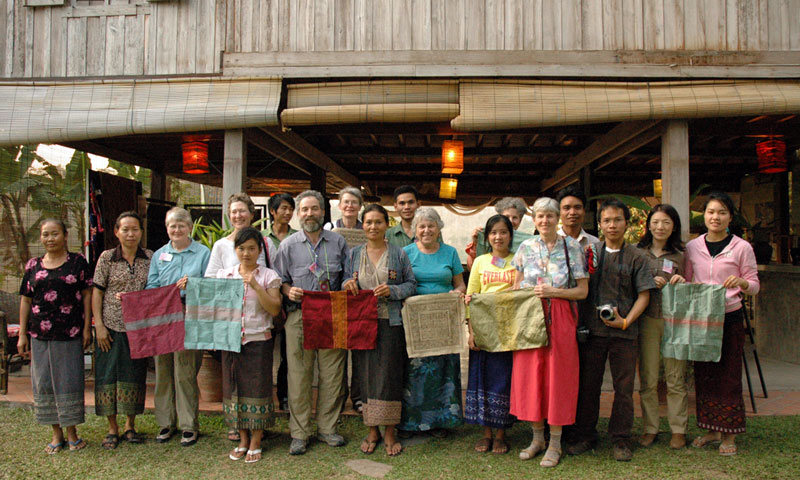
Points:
x=619, y=290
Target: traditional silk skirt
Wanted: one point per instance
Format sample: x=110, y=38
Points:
x=432, y=393
x=247, y=386
x=718, y=385
x=544, y=381
x=488, y=396
x=380, y=375
x=57, y=380
x=120, y=381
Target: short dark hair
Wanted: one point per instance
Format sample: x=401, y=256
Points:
x=493, y=220
x=614, y=203
x=249, y=233
x=674, y=241
x=374, y=207
x=128, y=214
x=275, y=201
x=723, y=198
x=57, y=221
x=405, y=189
x=571, y=191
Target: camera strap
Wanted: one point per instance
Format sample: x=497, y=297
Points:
x=600, y=261
x=571, y=283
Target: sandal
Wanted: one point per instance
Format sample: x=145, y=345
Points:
x=111, y=441
x=391, y=451
x=131, y=436
x=78, y=444
x=483, y=445
x=727, y=450
x=237, y=453
x=439, y=433
x=500, y=446
x=705, y=440
x=51, y=449
x=551, y=458
x=368, y=446
x=253, y=456
x=533, y=449
x=233, y=436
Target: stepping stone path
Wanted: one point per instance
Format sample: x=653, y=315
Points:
x=370, y=468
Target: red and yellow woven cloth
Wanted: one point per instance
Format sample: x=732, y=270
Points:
x=340, y=320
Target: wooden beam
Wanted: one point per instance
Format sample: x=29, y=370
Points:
x=630, y=146
x=675, y=170
x=234, y=166
x=312, y=154
x=265, y=142
x=608, y=142
x=114, y=154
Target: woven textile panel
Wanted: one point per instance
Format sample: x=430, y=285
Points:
x=214, y=314
x=694, y=316
x=340, y=320
x=154, y=321
x=353, y=236
x=508, y=320
x=434, y=324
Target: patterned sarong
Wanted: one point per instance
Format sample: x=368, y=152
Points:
x=214, y=314
x=340, y=320
x=153, y=321
x=507, y=321
x=434, y=324
x=694, y=315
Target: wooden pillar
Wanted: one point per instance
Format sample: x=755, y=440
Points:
x=590, y=220
x=319, y=182
x=234, y=167
x=158, y=186
x=675, y=170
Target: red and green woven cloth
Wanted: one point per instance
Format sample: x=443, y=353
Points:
x=340, y=320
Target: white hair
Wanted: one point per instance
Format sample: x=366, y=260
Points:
x=545, y=204
x=352, y=191
x=516, y=203
x=178, y=214
x=429, y=214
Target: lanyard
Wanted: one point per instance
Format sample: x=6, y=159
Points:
x=316, y=261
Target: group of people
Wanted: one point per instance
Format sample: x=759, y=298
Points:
x=556, y=386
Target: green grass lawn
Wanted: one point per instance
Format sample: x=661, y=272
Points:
x=771, y=449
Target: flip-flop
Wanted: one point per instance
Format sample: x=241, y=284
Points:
x=253, y=456
x=370, y=445
x=727, y=450
x=390, y=448
x=483, y=445
x=237, y=453
x=53, y=449
x=78, y=444
x=110, y=441
x=233, y=436
x=499, y=442
x=699, y=442
x=131, y=436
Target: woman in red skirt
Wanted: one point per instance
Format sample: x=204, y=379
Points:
x=544, y=381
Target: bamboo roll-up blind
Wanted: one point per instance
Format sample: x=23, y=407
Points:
x=497, y=105
x=371, y=101
x=39, y=112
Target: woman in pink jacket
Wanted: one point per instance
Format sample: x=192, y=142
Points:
x=721, y=258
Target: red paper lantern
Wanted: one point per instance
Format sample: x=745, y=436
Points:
x=772, y=156
x=195, y=158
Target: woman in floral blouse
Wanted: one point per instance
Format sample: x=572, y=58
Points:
x=55, y=309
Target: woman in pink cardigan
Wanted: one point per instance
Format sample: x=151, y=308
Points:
x=722, y=258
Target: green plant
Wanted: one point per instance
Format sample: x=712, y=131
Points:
x=209, y=234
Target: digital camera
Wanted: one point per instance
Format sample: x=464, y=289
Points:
x=606, y=312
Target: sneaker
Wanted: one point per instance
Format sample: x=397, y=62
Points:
x=188, y=438
x=298, y=447
x=677, y=441
x=164, y=435
x=622, y=452
x=332, y=439
x=359, y=406
x=579, y=448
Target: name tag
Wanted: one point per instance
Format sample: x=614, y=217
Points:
x=165, y=257
x=668, y=266
x=498, y=262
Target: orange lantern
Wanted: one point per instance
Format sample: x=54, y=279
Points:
x=772, y=156
x=657, y=188
x=452, y=157
x=447, y=188
x=195, y=158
